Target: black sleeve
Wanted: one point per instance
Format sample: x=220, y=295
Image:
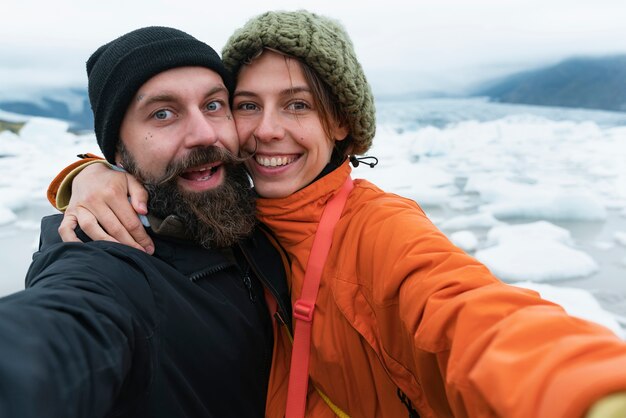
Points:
x=78, y=342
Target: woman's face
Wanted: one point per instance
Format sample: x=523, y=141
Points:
x=274, y=104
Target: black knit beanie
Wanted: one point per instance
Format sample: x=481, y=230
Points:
x=118, y=69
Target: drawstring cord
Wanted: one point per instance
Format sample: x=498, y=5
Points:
x=355, y=161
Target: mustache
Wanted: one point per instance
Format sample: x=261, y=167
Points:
x=201, y=156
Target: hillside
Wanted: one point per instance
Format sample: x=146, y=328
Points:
x=68, y=104
x=593, y=83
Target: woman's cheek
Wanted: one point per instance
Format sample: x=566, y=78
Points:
x=241, y=131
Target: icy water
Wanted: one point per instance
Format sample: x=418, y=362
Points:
x=17, y=243
x=455, y=157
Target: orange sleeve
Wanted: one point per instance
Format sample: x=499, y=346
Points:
x=53, y=188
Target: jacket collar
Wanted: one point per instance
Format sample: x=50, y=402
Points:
x=295, y=217
x=171, y=226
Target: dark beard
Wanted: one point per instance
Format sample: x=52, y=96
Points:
x=214, y=218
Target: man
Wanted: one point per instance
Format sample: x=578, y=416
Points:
x=107, y=330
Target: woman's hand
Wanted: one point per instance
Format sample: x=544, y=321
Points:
x=99, y=205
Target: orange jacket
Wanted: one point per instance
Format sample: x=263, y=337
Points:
x=400, y=307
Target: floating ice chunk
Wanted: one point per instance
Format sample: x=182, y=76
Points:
x=461, y=203
x=465, y=240
x=431, y=142
x=555, y=198
x=576, y=302
x=477, y=220
x=540, y=230
x=428, y=196
x=563, y=206
x=536, y=260
x=620, y=237
x=405, y=175
x=12, y=145
x=28, y=225
x=493, y=190
x=424, y=184
x=15, y=198
x=8, y=136
x=47, y=133
x=603, y=245
x=35, y=243
x=43, y=127
x=7, y=216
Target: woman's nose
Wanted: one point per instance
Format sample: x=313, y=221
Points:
x=269, y=127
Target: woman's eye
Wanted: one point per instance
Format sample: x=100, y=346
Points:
x=162, y=114
x=298, y=106
x=246, y=106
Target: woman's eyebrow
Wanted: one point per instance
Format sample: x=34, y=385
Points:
x=285, y=92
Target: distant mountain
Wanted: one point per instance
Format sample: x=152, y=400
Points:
x=69, y=104
x=594, y=83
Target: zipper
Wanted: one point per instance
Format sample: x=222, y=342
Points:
x=266, y=284
x=248, y=283
x=214, y=269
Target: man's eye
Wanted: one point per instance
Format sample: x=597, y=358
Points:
x=213, y=106
x=162, y=114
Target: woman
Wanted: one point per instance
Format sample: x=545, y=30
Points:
x=403, y=320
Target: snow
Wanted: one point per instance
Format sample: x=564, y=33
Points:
x=535, y=230
x=536, y=260
x=28, y=162
x=538, y=251
x=465, y=240
x=478, y=220
x=6, y=216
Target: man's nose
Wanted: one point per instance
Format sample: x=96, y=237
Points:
x=200, y=132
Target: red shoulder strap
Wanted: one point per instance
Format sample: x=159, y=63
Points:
x=304, y=307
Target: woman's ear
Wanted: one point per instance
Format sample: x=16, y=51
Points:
x=340, y=132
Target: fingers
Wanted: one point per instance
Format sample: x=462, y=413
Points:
x=67, y=227
x=128, y=229
x=138, y=195
x=139, y=201
x=99, y=205
x=106, y=226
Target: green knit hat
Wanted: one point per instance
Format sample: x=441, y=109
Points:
x=324, y=45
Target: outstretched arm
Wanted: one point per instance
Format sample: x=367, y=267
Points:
x=492, y=347
x=74, y=344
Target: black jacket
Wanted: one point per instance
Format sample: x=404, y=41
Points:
x=106, y=330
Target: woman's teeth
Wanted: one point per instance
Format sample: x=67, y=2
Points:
x=274, y=161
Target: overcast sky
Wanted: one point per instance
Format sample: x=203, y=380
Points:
x=403, y=45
